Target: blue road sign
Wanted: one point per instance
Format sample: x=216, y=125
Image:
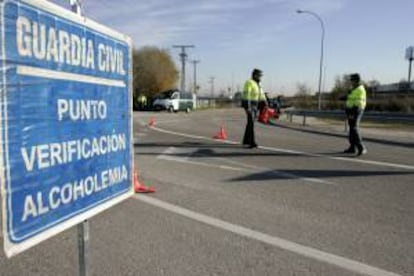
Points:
x=65, y=120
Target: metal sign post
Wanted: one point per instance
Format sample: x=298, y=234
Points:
x=83, y=244
x=83, y=228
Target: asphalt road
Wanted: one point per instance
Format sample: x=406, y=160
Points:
x=294, y=206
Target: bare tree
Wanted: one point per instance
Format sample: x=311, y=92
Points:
x=154, y=71
x=302, y=89
x=302, y=96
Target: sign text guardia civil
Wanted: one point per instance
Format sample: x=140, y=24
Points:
x=60, y=46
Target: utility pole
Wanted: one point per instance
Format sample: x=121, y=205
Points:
x=212, y=85
x=409, y=55
x=195, y=62
x=183, y=57
x=232, y=83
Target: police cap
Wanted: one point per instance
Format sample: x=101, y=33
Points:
x=355, y=77
x=257, y=72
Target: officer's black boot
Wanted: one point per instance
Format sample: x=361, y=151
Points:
x=351, y=149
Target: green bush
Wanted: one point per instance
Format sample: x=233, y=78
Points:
x=392, y=104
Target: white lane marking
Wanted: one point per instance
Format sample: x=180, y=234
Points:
x=276, y=172
x=180, y=160
x=174, y=120
x=344, y=263
x=183, y=134
x=347, y=159
x=168, y=155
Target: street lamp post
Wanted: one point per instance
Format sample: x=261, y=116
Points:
x=321, y=59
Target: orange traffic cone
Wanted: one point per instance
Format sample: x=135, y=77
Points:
x=138, y=187
x=151, y=122
x=221, y=135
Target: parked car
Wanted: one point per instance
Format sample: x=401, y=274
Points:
x=174, y=101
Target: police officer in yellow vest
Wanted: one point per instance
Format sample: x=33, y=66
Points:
x=251, y=97
x=355, y=105
x=142, y=101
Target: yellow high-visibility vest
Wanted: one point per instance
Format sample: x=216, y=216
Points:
x=142, y=99
x=252, y=91
x=357, y=97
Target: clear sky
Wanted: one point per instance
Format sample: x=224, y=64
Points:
x=234, y=36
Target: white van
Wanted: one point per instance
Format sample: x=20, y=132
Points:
x=174, y=101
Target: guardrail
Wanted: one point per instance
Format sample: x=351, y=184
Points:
x=369, y=115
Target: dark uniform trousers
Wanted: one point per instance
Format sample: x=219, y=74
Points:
x=251, y=113
x=354, y=119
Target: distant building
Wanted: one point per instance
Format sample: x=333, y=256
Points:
x=397, y=89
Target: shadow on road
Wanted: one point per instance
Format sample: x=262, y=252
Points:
x=208, y=150
x=344, y=135
x=294, y=174
x=205, y=150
